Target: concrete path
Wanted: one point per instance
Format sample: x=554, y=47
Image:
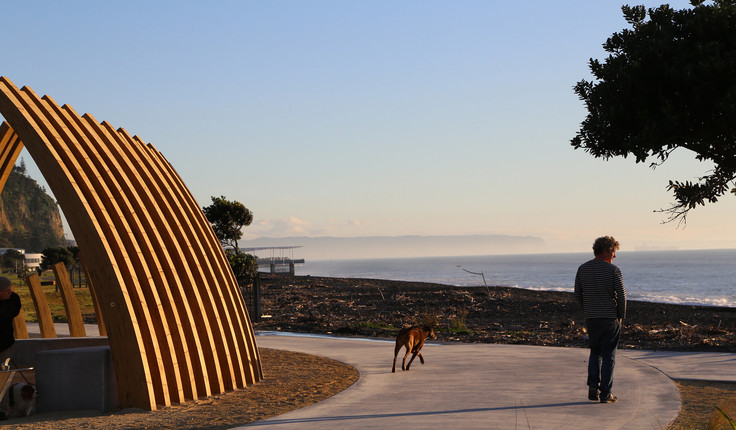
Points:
x=62, y=330
x=702, y=366
x=489, y=386
x=483, y=386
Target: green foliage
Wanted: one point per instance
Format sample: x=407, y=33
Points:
x=458, y=324
x=52, y=256
x=367, y=325
x=430, y=317
x=669, y=82
x=520, y=333
x=245, y=266
x=29, y=218
x=228, y=219
x=13, y=260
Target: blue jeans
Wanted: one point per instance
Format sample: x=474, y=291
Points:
x=603, y=336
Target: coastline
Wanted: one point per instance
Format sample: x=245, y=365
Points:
x=379, y=308
x=692, y=277
x=374, y=308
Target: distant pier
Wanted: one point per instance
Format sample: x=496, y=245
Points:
x=281, y=258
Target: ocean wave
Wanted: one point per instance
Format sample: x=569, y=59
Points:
x=726, y=301
x=560, y=289
x=729, y=301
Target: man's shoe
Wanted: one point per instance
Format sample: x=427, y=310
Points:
x=609, y=398
x=593, y=394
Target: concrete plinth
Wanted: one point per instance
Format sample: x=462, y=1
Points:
x=24, y=354
x=75, y=379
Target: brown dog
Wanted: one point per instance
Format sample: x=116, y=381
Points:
x=413, y=339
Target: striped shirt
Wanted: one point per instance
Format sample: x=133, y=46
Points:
x=599, y=289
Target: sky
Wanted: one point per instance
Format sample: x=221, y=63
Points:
x=364, y=118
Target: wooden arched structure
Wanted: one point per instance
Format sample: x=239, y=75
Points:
x=176, y=321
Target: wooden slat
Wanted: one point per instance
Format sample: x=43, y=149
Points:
x=43, y=313
x=135, y=279
x=145, y=239
x=20, y=330
x=212, y=252
x=194, y=287
x=216, y=305
x=212, y=257
x=73, y=314
x=123, y=247
x=95, y=301
x=177, y=324
x=151, y=205
x=10, y=148
x=6, y=380
x=92, y=229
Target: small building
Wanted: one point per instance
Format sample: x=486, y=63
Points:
x=31, y=260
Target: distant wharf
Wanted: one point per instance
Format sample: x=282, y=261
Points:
x=281, y=258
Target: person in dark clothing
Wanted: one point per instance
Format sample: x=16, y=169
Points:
x=599, y=289
x=9, y=309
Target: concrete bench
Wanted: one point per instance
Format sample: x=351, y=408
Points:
x=75, y=379
x=25, y=350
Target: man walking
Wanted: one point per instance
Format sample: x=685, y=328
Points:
x=599, y=289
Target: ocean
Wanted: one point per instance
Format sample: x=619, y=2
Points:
x=700, y=277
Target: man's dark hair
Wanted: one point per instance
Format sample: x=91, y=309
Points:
x=605, y=243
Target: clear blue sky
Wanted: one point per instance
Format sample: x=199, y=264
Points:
x=360, y=118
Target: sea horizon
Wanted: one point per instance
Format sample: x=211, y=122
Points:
x=689, y=277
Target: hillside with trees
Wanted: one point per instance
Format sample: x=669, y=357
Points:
x=29, y=217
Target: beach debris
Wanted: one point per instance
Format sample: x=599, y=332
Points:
x=371, y=307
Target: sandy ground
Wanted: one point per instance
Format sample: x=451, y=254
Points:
x=698, y=401
x=292, y=380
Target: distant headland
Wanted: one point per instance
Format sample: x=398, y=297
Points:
x=329, y=248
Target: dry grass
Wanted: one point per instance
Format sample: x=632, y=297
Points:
x=53, y=297
x=698, y=401
x=292, y=381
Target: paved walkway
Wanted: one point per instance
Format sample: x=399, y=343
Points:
x=702, y=366
x=493, y=386
x=489, y=386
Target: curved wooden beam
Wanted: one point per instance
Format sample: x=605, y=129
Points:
x=10, y=147
x=71, y=305
x=177, y=324
x=43, y=313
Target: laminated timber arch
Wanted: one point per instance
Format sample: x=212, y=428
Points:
x=176, y=322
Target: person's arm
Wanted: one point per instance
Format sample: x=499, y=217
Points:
x=620, y=295
x=578, y=290
x=10, y=308
x=17, y=305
